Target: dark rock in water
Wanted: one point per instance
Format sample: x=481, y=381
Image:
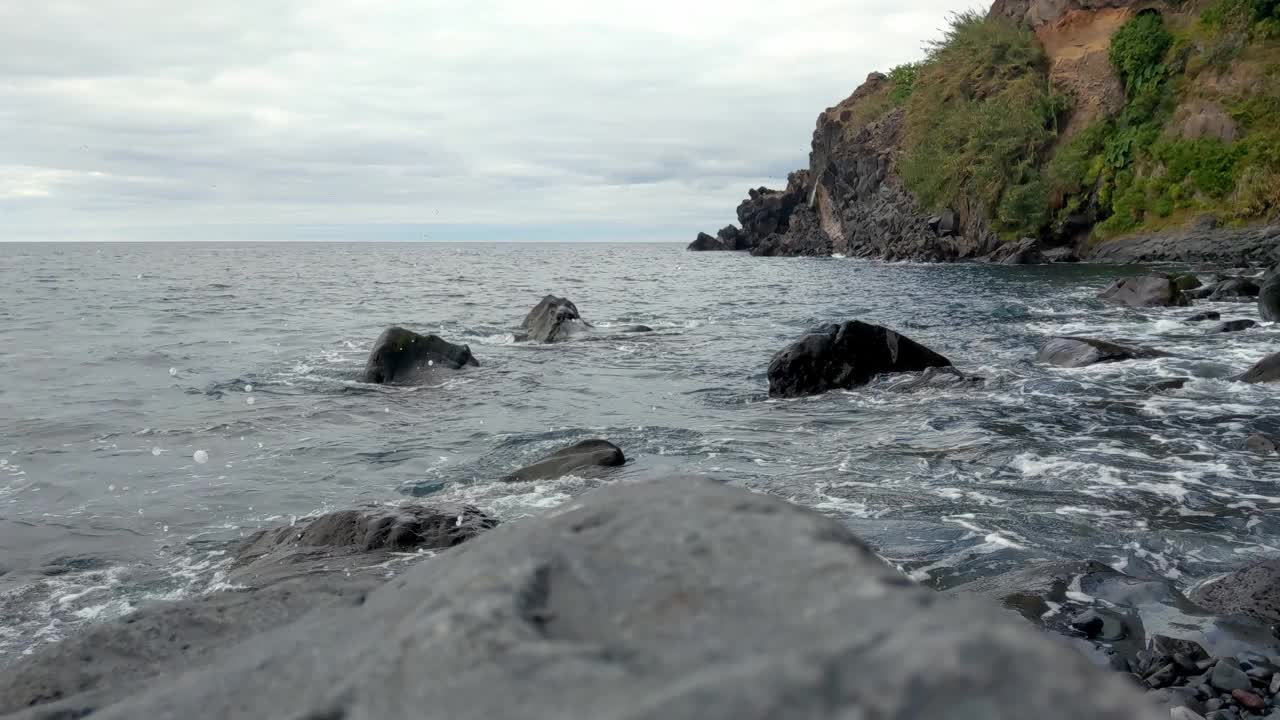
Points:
x=638, y=601
x=1232, y=326
x=1026, y=251
x=1269, y=299
x=1253, y=591
x=1165, y=385
x=1073, y=352
x=1142, y=292
x=844, y=356
x=1260, y=444
x=1186, y=281
x=577, y=457
x=402, y=356
x=1234, y=288
x=1203, y=316
x=1165, y=645
x=359, y=538
x=553, y=318
x=706, y=242
x=1265, y=370
x=1226, y=677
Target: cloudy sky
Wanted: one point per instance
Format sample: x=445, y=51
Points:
x=409, y=119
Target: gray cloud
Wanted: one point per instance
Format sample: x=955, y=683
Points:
x=126, y=118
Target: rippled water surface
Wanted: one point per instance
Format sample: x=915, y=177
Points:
x=119, y=362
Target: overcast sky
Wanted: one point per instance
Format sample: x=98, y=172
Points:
x=404, y=119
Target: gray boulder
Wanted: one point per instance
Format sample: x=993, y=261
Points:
x=843, y=356
x=1142, y=292
x=552, y=319
x=1253, y=591
x=1232, y=326
x=1264, y=371
x=676, y=600
x=1269, y=298
x=585, y=455
x=401, y=356
x=1073, y=352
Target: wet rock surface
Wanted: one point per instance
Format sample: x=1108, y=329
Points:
x=653, y=600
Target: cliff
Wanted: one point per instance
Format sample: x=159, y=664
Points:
x=1062, y=125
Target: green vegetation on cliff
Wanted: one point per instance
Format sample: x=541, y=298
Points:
x=1199, y=128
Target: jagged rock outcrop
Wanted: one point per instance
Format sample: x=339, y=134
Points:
x=682, y=600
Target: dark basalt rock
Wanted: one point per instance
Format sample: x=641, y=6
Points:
x=401, y=356
x=843, y=356
x=1232, y=326
x=1073, y=352
x=1265, y=370
x=637, y=601
x=1253, y=591
x=1203, y=316
x=1142, y=292
x=1269, y=298
x=585, y=455
x=553, y=319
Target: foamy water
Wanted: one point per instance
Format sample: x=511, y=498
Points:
x=122, y=482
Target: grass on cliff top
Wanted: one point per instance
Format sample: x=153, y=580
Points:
x=979, y=117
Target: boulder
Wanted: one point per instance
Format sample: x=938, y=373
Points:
x=401, y=356
x=705, y=242
x=1148, y=291
x=1203, y=316
x=1264, y=371
x=1232, y=326
x=680, y=600
x=1026, y=251
x=1260, y=444
x=1073, y=352
x=553, y=319
x=843, y=356
x=1186, y=281
x=1235, y=287
x=585, y=455
x=358, y=539
x=1269, y=298
x=1253, y=591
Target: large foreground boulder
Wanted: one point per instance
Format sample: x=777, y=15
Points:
x=1148, y=291
x=402, y=356
x=1264, y=371
x=553, y=318
x=583, y=456
x=1269, y=299
x=843, y=356
x=677, y=600
x=1253, y=591
x=1074, y=352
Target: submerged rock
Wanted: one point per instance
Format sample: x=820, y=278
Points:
x=1265, y=370
x=843, y=356
x=575, y=458
x=679, y=600
x=1073, y=352
x=401, y=356
x=1253, y=591
x=553, y=318
x=1232, y=326
x=1149, y=291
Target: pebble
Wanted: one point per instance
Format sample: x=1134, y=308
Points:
x=1248, y=699
x=1227, y=677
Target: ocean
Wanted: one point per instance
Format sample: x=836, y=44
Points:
x=160, y=401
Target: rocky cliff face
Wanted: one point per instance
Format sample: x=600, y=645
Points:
x=851, y=199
